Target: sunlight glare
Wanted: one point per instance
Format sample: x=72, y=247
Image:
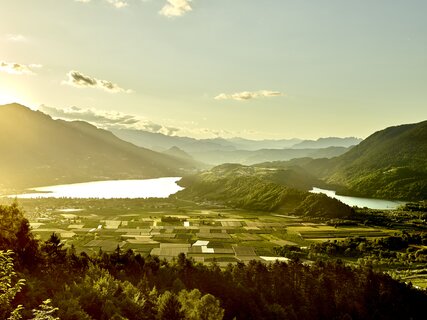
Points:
x=6, y=97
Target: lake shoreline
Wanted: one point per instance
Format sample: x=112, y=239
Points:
x=361, y=202
x=109, y=189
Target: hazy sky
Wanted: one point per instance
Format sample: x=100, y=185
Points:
x=251, y=68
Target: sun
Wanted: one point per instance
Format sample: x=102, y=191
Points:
x=7, y=97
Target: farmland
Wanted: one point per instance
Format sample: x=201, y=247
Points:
x=167, y=227
x=205, y=232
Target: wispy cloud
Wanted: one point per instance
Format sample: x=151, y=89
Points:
x=248, y=95
x=118, y=3
x=176, y=8
x=118, y=120
x=18, y=68
x=16, y=37
x=80, y=80
x=108, y=119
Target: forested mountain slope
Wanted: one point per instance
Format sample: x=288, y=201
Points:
x=262, y=189
x=391, y=163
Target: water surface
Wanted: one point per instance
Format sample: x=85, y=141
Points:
x=361, y=202
x=113, y=189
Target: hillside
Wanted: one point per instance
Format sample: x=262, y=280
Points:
x=177, y=152
x=37, y=150
x=389, y=164
x=262, y=189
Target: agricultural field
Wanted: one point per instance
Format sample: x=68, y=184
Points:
x=167, y=227
x=210, y=233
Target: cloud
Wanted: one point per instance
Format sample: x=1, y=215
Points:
x=108, y=119
x=176, y=8
x=36, y=65
x=118, y=120
x=16, y=38
x=91, y=115
x=248, y=95
x=79, y=80
x=18, y=68
x=118, y=3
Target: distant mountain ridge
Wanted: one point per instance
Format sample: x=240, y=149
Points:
x=177, y=152
x=327, y=142
x=252, y=157
x=159, y=141
x=220, y=150
x=37, y=150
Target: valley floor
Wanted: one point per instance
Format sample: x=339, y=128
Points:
x=205, y=232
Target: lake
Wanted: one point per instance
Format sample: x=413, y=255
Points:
x=361, y=202
x=113, y=189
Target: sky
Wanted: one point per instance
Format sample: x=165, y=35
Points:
x=206, y=68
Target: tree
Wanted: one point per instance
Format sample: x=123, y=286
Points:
x=15, y=235
x=53, y=247
x=169, y=308
x=189, y=301
x=54, y=258
x=8, y=286
x=45, y=312
x=209, y=308
x=198, y=307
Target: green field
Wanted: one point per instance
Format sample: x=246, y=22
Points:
x=167, y=227
x=210, y=233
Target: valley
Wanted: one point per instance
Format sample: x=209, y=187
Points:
x=112, y=211
x=209, y=233
x=213, y=160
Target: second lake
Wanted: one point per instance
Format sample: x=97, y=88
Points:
x=361, y=202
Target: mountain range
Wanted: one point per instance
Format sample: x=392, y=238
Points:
x=238, y=150
x=37, y=151
x=160, y=142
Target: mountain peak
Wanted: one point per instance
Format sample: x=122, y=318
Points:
x=177, y=152
x=15, y=105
